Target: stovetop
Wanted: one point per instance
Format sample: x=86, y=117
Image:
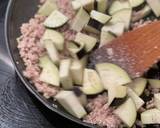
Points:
x=19, y=108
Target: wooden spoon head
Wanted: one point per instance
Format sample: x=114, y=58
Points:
x=135, y=51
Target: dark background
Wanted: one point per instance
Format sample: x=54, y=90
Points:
x=18, y=108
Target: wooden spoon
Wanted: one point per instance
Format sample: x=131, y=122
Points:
x=135, y=51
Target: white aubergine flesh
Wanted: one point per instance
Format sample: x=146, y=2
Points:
x=56, y=37
x=91, y=82
x=52, y=51
x=123, y=16
x=151, y=116
x=65, y=75
x=55, y=19
x=102, y=5
x=127, y=112
x=80, y=20
x=101, y=17
x=155, y=6
x=87, y=40
x=71, y=103
x=77, y=70
x=50, y=73
x=118, y=5
x=138, y=85
x=112, y=75
x=47, y=8
x=137, y=100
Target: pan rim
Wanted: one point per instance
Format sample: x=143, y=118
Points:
x=22, y=78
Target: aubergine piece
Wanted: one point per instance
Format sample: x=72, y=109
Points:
x=80, y=20
x=47, y=8
x=138, y=85
x=87, y=4
x=76, y=50
x=127, y=112
x=118, y=5
x=56, y=37
x=106, y=37
x=155, y=6
x=65, y=75
x=117, y=29
x=80, y=95
x=100, y=17
x=102, y=5
x=55, y=19
x=136, y=3
x=154, y=83
x=71, y=103
x=91, y=29
x=137, y=100
x=77, y=70
x=91, y=82
x=150, y=116
x=157, y=100
x=88, y=41
x=123, y=16
x=84, y=61
x=146, y=10
x=112, y=75
x=95, y=24
x=114, y=92
x=50, y=73
x=52, y=51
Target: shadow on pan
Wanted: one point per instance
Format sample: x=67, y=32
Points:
x=18, y=12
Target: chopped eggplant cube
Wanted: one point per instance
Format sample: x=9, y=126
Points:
x=106, y=37
x=47, y=8
x=127, y=112
x=91, y=82
x=56, y=37
x=80, y=20
x=52, y=51
x=65, y=75
x=136, y=3
x=95, y=24
x=100, y=17
x=155, y=6
x=138, y=85
x=114, y=92
x=77, y=72
x=124, y=16
x=87, y=4
x=50, y=73
x=157, y=100
x=118, y=5
x=102, y=5
x=137, y=100
x=76, y=50
x=71, y=103
x=117, y=29
x=151, y=116
x=154, y=83
x=88, y=41
x=146, y=10
x=55, y=19
x=91, y=29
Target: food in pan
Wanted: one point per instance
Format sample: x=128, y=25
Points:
x=55, y=46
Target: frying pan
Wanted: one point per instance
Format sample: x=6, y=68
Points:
x=18, y=12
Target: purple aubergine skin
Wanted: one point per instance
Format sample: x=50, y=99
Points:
x=18, y=12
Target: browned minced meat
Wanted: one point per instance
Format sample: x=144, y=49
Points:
x=30, y=49
x=101, y=114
